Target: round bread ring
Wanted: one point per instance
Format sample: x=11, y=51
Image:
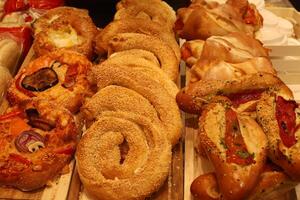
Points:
x=145, y=85
x=71, y=97
x=61, y=21
x=193, y=97
x=105, y=172
x=143, y=66
x=286, y=157
x=165, y=55
x=34, y=170
x=135, y=25
x=159, y=12
x=235, y=181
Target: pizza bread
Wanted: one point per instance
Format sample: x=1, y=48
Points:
x=244, y=89
x=59, y=76
x=280, y=118
x=236, y=146
x=64, y=27
x=37, y=141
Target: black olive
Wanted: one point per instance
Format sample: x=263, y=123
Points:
x=32, y=113
x=40, y=80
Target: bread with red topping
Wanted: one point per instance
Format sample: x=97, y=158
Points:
x=244, y=89
x=280, y=118
x=236, y=146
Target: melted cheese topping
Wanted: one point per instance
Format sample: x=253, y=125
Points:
x=215, y=127
x=65, y=38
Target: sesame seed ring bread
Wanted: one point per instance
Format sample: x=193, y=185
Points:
x=64, y=27
x=59, y=76
x=236, y=145
x=37, y=140
x=135, y=25
x=164, y=53
x=140, y=64
x=123, y=156
x=280, y=118
x=153, y=10
x=193, y=97
x=143, y=87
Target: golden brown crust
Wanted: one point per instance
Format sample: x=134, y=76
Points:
x=194, y=96
x=235, y=181
x=72, y=25
x=157, y=11
x=201, y=20
x=233, y=48
x=145, y=85
x=109, y=174
x=46, y=163
x=221, y=70
x=191, y=51
x=71, y=97
x=163, y=52
x=286, y=157
x=134, y=25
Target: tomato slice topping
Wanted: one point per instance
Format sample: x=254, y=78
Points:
x=286, y=119
x=21, y=89
x=234, y=143
x=240, y=98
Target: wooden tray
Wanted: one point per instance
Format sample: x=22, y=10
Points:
x=68, y=186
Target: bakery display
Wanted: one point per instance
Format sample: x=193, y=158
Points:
x=64, y=27
x=204, y=19
x=37, y=142
x=59, y=76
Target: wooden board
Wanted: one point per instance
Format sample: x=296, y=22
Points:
x=69, y=187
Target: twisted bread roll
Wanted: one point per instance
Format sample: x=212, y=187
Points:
x=135, y=25
x=221, y=70
x=153, y=10
x=163, y=52
x=166, y=109
x=123, y=156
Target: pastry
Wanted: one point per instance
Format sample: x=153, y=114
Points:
x=38, y=140
x=59, y=76
x=191, y=51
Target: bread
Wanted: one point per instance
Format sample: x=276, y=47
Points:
x=236, y=146
x=10, y=53
x=191, y=51
x=135, y=25
x=164, y=53
x=221, y=70
x=279, y=117
x=194, y=96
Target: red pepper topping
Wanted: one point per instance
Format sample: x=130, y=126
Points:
x=70, y=77
x=69, y=150
x=21, y=89
x=185, y=52
x=19, y=158
x=10, y=115
x=236, y=148
x=240, y=98
x=249, y=17
x=286, y=119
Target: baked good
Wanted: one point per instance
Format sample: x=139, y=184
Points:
x=64, y=27
x=191, y=51
x=273, y=184
x=37, y=140
x=152, y=10
x=279, y=116
x=123, y=156
x=134, y=92
x=233, y=48
x=135, y=25
x=202, y=20
x=59, y=76
x=164, y=53
x=236, y=146
x=244, y=89
x=10, y=53
x=221, y=70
